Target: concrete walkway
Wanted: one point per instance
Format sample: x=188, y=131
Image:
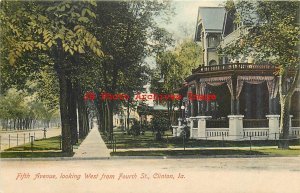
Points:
x=93, y=146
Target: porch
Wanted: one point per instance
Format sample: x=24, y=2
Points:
x=236, y=128
x=241, y=88
x=246, y=106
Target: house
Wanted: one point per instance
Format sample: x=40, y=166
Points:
x=247, y=103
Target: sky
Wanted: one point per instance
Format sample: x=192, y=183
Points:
x=185, y=17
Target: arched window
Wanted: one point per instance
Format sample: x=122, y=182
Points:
x=212, y=63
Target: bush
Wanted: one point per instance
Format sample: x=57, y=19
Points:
x=160, y=123
x=135, y=128
x=186, y=129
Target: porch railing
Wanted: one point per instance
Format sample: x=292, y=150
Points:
x=234, y=66
x=255, y=123
x=295, y=123
x=216, y=123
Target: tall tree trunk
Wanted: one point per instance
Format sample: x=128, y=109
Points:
x=87, y=126
x=101, y=115
x=285, y=94
x=80, y=103
x=285, y=122
x=108, y=123
x=105, y=116
x=65, y=120
x=98, y=111
x=72, y=111
x=63, y=98
x=111, y=107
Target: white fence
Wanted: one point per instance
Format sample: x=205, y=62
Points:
x=235, y=130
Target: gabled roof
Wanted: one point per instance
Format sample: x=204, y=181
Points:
x=212, y=18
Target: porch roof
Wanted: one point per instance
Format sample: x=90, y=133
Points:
x=231, y=69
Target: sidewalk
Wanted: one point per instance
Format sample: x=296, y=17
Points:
x=92, y=147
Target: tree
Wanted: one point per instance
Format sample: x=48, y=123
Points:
x=174, y=66
x=128, y=33
x=271, y=34
x=160, y=124
x=59, y=29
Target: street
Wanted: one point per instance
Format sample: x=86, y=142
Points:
x=272, y=174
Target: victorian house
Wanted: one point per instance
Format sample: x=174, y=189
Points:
x=247, y=102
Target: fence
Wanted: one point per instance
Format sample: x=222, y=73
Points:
x=9, y=140
x=234, y=127
x=217, y=123
x=241, y=141
x=295, y=122
x=255, y=123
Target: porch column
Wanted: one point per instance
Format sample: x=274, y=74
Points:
x=259, y=103
x=207, y=102
x=290, y=128
x=175, y=130
x=179, y=121
x=233, y=100
x=192, y=129
x=232, y=105
x=248, y=93
x=273, y=126
x=271, y=112
x=276, y=105
x=238, y=106
x=235, y=126
x=199, y=108
x=191, y=112
x=202, y=126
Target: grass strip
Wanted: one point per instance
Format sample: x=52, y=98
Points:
x=214, y=152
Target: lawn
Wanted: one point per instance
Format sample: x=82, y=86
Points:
x=281, y=152
x=124, y=141
x=141, y=141
x=214, y=152
x=52, y=143
x=34, y=154
x=49, y=147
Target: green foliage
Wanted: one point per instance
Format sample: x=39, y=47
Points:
x=98, y=46
x=42, y=25
x=16, y=104
x=135, y=128
x=271, y=32
x=176, y=65
x=160, y=122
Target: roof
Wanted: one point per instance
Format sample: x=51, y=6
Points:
x=212, y=18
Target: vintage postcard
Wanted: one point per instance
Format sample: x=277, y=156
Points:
x=149, y=96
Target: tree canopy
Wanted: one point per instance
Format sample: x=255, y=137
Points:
x=75, y=47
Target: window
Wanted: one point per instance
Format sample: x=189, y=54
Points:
x=213, y=41
x=212, y=63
